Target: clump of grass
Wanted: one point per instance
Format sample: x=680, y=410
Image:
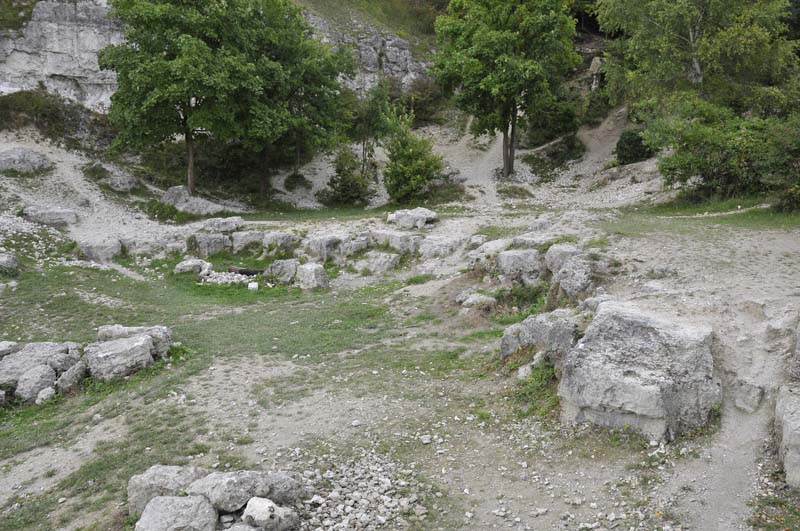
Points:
x=568, y=238
x=547, y=164
x=494, y=232
x=95, y=171
x=514, y=191
x=419, y=279
x=519, y=302
x=537, y=395
x=14, y=14
x=164, y=212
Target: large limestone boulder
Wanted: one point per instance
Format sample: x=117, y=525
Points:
x=576, y=277
x=787, y=432
x=283, y=271
x=276, y=243
x=161, y=336
x=439, y=247
x=638, y=370
x=205, y=245
x=103, y=251
x=553, y=333
x=409, y=219
x=230, y=491
x=58, y=356
x=189, y=264
x=377, y=263
x=311, y=276
x=52, y=216
x=485, y=256
x=178, y=513
x=265, y=514
x=230, y=224
x=24, y=161
x=33, y=381
x=558, y=254
x=121, y=357
x=401, y=242
x=180, y=198
x=70, y=381
x=159, y=480
x=521, y=265
x=324, y=247
x=244, y=239
x=8, y=347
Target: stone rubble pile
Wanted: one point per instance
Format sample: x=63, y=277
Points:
x=23, y=161
x=36, y=372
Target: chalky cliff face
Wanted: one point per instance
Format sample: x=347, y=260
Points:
x=58, y=48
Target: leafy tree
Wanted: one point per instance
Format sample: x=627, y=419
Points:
x=412, y=164
x=348, y=185
x=507, y=60
x=232, y=70
x=728, y=51
x=369, y=123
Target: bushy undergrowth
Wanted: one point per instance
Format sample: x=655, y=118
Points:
x=412, y=165
x=351, y=183
x=631, y=148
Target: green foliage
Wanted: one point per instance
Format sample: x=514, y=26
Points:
x=14, y=14
x=349, y=185
x=369, y=123
x=55, y=118
x=720, y=152
x=95, y=171
x=504, y=58
x=548, y=163
x=164, y=212
x=538, y=394
x=412, y=165
x=296, y=181
x=631, y=147
x=789, y=199
x=236, y=70
x=731, y=51
x=558, y=118
x=519, y=302
x=423, y=99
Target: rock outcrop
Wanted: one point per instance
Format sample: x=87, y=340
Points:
x=58, y=48
x=787, y=431
x=641, y=371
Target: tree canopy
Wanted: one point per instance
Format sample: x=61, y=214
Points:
x=248, y=71
x=504, y=59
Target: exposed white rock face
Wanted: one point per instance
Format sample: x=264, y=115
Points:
x=178, y=513
x=638, y=370
x=159, y=480
x=787, y=431
x=58, y=48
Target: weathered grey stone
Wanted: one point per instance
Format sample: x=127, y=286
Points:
x=401, y=242
x=747, y=396
x=353, y=245
x=551, y=333
x=103, y=251
x=48, y=393
x=23, y=160
x=194, y=265
x=311, y=276
x=276, y=243
x=52, y=216
x=70, y=381
x=324, y=247
x=438, y=247
x=410, y=219
x=230, y=491
x=521, y=265
x=118, y=180
x=33, y=381
x=479, y=301
x=178, y=513
x=243, y=527
x=58, y=356
x=787, y=432
x=245, y=239
x=180, y=198
x=230, y=224
x=264, y=513
x=283, y=271
x=120, y=357
x=8, y=264
x=159, y=480
x=558, y=254
x=576, y=277
x=8, y=347
x=637, y=370
x=206, y=245
x=161, y=336
x=376, y=262
x=530, y=240
x=2, y=398
x=477, y=240
x=485, y=256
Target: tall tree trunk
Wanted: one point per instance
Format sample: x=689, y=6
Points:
x=512, y=143
x=190, y=178
x=506, y=171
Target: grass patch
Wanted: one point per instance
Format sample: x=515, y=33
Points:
x=494, y=232
x=514, y=191
x=519, y=302
x=164, y=212
x=484, y=335
x=95, y=171
x=549, y=162
x=416, y=280
x=774, y=513
x=14, y=14
x=537, y=395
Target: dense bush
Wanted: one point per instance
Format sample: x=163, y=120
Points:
x=722, y=153
x=554, y=120
x=789, y=199
x=423, y=98
x=631, y=147
x=412, y=165
x=350, y=184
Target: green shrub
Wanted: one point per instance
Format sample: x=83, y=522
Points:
x=351, y=181
x=412, y=165
x=596, y=107
x=631, y=148
x=789, y=199
x=295, y=181
x=95, y=171
x=558, y=119
x=166, y=212
x=14, y=14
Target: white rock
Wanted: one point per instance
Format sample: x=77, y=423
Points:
x=161, y=336
x=252, y=286
x=409, y=219
x=178, y=513
x=159, y=480
x=312, y=276
x=45, y=394
x=231, y=224
x=33, y=381
x=787, y=432
x=264, y=513
x=121, y=357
